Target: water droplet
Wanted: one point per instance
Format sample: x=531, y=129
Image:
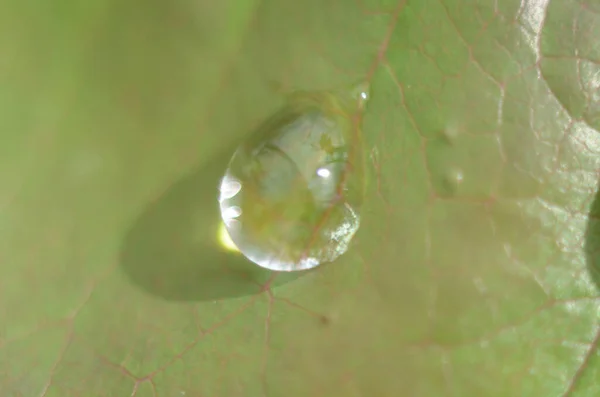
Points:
x=453, y=179
x=361, y=94
x=450, y=134
x=290, y=197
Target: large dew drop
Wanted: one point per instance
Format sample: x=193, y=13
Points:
x=289, y=199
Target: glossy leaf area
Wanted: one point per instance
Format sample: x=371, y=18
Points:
x=290, y=196
x=473, y=273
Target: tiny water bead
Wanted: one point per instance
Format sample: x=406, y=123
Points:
x=453, y=178
x=290, y=197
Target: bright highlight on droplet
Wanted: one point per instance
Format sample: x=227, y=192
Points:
x=231, y=213
x=229, y=188
x=225, y=240
x=323, y=172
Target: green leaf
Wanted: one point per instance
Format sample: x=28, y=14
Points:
x=476, y=268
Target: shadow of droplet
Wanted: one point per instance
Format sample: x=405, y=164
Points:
x=592, y=241
x=172, y=250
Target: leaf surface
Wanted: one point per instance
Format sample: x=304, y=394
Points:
x=475, y=271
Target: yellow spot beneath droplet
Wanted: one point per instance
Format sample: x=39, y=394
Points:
x=225, y=240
